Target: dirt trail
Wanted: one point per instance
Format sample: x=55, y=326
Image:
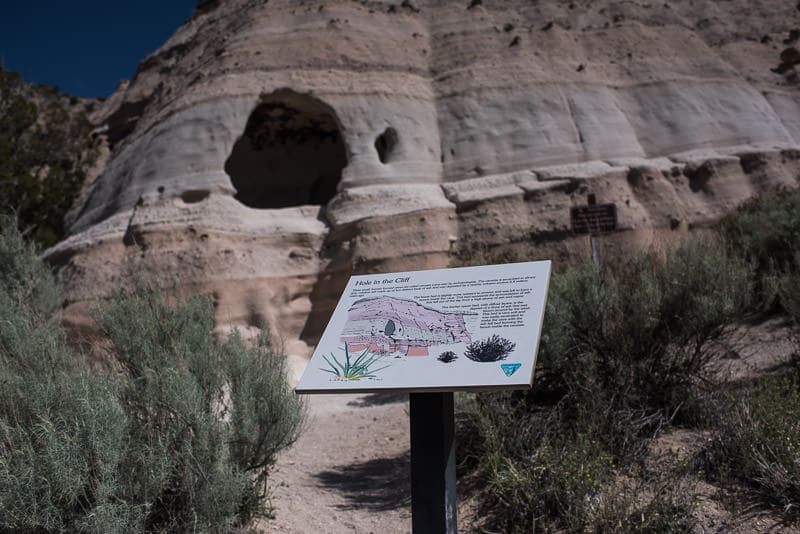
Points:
x=349, y=471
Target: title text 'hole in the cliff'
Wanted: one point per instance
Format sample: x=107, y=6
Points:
x=385, y=144
x=291, y=153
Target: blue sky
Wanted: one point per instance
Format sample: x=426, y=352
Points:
x=85, y=47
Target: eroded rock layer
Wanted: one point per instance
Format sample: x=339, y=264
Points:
x=269, y=149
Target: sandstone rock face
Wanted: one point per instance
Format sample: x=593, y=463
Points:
x=269, y=149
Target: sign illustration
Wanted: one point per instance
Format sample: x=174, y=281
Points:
x=440, y=330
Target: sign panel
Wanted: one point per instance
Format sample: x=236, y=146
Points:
x=593, y=218
x=440, y=330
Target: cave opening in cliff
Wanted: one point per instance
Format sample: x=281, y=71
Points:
x=290, y=154
x=385, y=144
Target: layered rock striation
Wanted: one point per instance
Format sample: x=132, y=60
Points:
x=269, y=149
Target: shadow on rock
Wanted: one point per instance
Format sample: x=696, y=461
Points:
x=380, y=484
x=378, y=399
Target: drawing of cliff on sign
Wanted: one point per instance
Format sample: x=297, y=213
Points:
x=386, y=325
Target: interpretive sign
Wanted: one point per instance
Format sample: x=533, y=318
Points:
x=468, y=328
x=593, y=218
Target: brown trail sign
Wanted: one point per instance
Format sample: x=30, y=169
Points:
x=593, y=219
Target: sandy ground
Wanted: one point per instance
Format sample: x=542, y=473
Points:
x=349, y=471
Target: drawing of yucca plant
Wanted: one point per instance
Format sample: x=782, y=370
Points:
x=353, y=370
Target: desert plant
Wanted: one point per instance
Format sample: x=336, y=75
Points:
x=212, y=415
x=759, y=443
x=536, y=475
x=491, y=349
x=45, y=149
x=631, y=343
x=788, y=287
x=646, y=502
x=553, y=487
x=447, y=356
x=61, y=430
x=624, y=352
x=181, y=437
x=766, y=231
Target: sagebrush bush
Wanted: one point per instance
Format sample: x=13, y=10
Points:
x=766, y=231
x=629, y=344
x=622, y=353
x=646, y=502
x=60, y=429
x=181, y=438
x=789, y=291
x=547, y=478
x=759, y=442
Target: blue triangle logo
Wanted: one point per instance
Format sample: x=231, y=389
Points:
x=510, y=368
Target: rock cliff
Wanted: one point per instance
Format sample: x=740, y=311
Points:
x=271, y=148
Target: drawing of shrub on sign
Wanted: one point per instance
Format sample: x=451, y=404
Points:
x=490, y=349
x=353, y=369
x=447, y=357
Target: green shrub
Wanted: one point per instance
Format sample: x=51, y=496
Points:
x=45, y=149
x=662, y=502
x=544, y=478
x=622, y=354
x=759, y=443
x=180, y=438
x=789, y=291
x=623, y=349
x=60, y=429
x=766, y=231
x=553, y=487
x=531, y=480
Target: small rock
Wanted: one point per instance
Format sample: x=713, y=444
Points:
x=515, y=41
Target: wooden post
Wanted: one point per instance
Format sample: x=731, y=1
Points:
x=433, y=464
x=595, y=251
x=594, y=231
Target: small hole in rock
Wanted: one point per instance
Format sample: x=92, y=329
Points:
x=385, y=144
x=195, y=195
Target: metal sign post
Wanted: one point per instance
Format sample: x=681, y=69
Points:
x=433, y=464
